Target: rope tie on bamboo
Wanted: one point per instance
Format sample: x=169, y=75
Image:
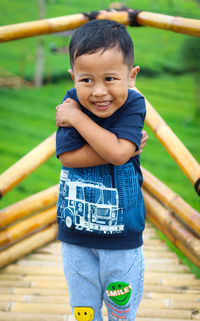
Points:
x=132, y=15
x=197, y=186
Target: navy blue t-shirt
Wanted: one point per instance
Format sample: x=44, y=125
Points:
x=102, y=206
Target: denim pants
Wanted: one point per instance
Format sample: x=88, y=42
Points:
x=113, y=276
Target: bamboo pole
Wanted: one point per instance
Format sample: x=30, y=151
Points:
x=27, y=227
x=27, y=245
x=28, y=206
x=52, y=25
x=173, y=145
x=174, y=230
x=176, y=24
x=41, y=27
x=26, y=165
x=184, y=211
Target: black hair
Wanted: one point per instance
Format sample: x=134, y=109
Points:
x=101, y=34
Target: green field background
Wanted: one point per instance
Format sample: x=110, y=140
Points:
x=27, y=114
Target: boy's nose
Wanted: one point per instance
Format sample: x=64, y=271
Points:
x=99, y=90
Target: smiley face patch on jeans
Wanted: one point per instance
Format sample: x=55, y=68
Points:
x=83, y=313
x=119, y=292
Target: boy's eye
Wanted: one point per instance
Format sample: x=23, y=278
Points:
x=88, y=80
x=110, y=78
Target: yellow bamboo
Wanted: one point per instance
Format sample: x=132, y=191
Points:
x=28, y=206
x=182, y=209
x=173, y=145
x=27, y=245
x=52, y=25
x=28, y=226
x=176, y=24
x=41, y=27
x=174, y=230
x=26, y=165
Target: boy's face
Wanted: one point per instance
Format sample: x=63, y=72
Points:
x=102, y=81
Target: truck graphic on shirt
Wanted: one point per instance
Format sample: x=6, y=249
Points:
x=90, y=206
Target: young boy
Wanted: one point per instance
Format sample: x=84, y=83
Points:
x=101, y=213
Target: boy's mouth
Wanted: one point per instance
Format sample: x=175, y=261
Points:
x=102, y=104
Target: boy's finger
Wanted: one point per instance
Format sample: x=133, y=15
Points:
x=138, y=152
x=143, y=144
x=68, y=100
x=144, y=134
x=144, y=139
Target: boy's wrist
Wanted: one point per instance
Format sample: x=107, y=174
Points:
x=76, y=117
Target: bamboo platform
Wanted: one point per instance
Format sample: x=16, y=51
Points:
x=34, y=288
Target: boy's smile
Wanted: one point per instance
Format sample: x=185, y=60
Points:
x=102, y=80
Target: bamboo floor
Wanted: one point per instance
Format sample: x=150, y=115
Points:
x=34, y=288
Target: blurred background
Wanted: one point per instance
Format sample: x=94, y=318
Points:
x=34, y=79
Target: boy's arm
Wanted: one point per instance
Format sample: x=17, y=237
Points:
x=86, y=155
x=106, y=144
x=82, y=157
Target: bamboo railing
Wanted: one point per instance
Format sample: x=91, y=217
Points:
x=27, y=225
x=173, y=216
x=31, y=204
x=128, y=17
x=173, y=145
x=28, y=245
x=184, y=212
x=27, y=164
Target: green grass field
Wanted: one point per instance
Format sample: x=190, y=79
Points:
x=27, y=115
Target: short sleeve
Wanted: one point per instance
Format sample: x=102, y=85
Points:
x=131, y=119
x=68, y=138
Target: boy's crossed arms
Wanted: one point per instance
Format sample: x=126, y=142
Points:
x=103, y=146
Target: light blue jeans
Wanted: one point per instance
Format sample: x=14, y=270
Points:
x=113, y=276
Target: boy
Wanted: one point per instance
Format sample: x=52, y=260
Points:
x=101, y=209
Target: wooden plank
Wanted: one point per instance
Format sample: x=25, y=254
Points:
x=64, y=309
x=158, y=303
x=17, y=316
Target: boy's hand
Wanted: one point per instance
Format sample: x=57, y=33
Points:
x=142, y=143
x=66, y=112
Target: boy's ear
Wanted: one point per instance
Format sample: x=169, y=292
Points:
x=70, y=71
x=133, y=74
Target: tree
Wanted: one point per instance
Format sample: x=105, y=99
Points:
x=40, y=48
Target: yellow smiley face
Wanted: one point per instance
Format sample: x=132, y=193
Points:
x=83, y=313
